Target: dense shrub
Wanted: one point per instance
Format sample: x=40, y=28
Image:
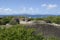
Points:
x=54, y=19
x=47, y=21
x=19, y=33
x=13, y=22
x=5, y=20
x=1, y=22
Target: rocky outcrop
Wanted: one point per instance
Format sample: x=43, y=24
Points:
x=46, y=29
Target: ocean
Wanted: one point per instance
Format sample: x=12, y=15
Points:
x=32, y=16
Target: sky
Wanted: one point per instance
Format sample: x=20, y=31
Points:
x=32, y=7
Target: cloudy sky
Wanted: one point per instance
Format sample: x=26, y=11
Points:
x=8, y=7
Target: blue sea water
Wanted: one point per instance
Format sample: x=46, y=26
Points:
x=32, y=16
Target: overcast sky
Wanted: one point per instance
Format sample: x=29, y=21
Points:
x=8, y=7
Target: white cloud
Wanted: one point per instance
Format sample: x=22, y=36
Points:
x=43, y=5
x=49, y=6
x=5, y=10
x=29, y=10
x=23, y=10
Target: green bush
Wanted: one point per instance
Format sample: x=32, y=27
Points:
x=53, y=19
x=13, y=22
x=19, y=33
x=5, y=20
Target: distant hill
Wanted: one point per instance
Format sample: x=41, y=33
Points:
x=27, y=15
